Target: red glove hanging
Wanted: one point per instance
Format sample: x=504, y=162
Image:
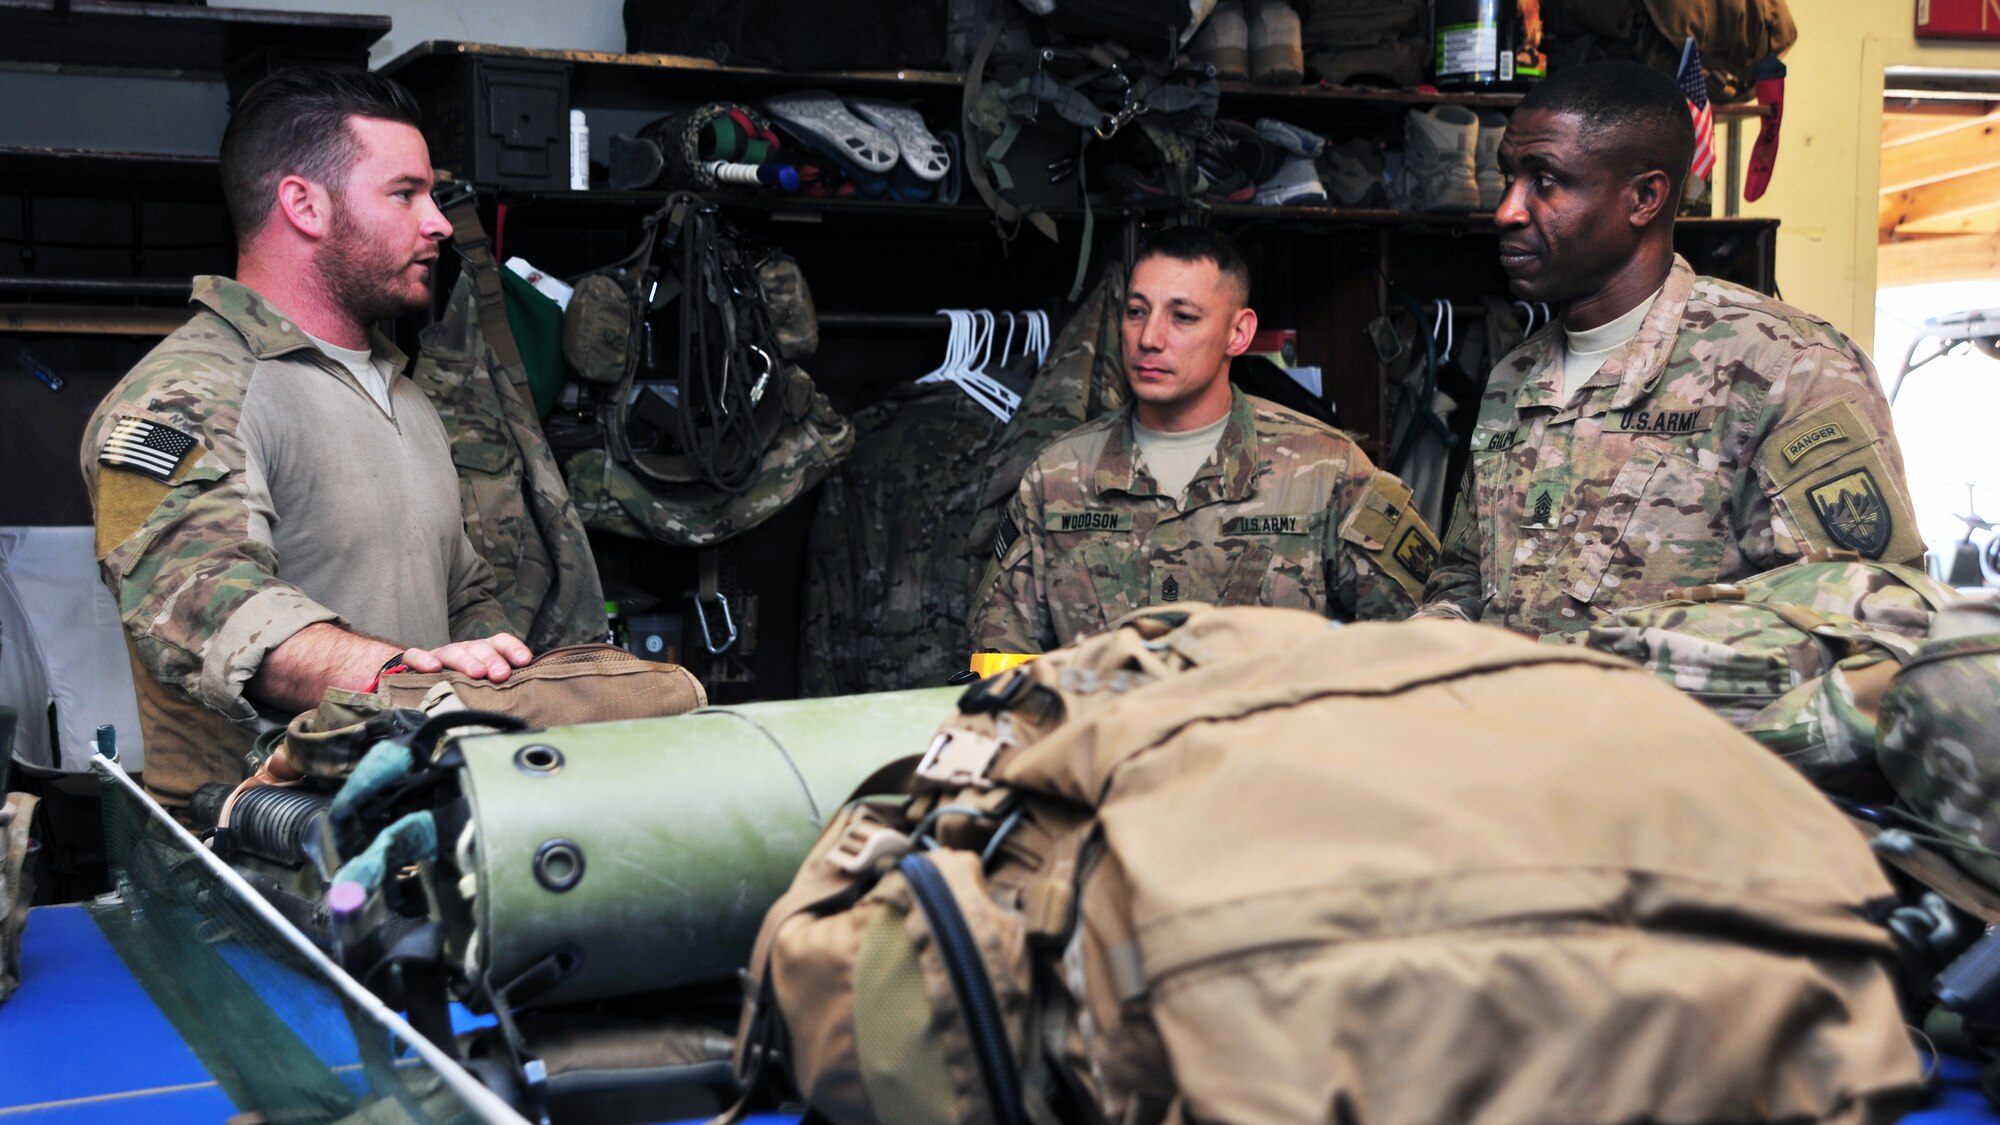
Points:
x=1770, y=77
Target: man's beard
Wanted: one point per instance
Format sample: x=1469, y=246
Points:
x=364, y=279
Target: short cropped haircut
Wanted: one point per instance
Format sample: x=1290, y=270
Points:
x=1200, y=244
x=1637, y=115
x=295, y=123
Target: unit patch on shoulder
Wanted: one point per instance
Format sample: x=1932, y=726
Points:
x=1004, y=538
x=1854, y=512
x=153, y=449
x=1418, y=553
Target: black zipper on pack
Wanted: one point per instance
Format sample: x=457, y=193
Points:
x=969, y=980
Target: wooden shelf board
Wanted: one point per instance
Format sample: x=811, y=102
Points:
x=97, y=34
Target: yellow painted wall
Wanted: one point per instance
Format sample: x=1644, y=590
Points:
x=1832, y=139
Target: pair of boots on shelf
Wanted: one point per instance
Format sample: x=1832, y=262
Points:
x=1312, y=170
x=1450, y=160
x=1256, y=39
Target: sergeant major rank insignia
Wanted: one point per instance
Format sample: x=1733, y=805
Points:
x=151, y=448
x=1542, y=505
x=1853, y=511
x=1170, y=590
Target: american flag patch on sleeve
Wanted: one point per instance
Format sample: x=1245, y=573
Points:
x=145, y=447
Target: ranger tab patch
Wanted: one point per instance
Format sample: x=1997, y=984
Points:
x=1812, y=439
x=150, y=448
x=1854, y=512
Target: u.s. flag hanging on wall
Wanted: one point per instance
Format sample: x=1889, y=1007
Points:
x=1694, y=84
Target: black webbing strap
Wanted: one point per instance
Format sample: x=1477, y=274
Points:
x=975, y=166
x=469, y=237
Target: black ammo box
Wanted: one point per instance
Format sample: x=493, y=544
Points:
x=497, y=122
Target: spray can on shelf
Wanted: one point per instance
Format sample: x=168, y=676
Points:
x=1488, y=44
x=579, y=151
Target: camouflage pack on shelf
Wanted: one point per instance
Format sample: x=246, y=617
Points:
x=741, y=430
x=692, y=513
x=1797, y=657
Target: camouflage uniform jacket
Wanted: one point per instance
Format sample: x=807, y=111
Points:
x=1286, y=512
x=274, y=483
x=886, y=583
x=1733, y=434
x=517, y=510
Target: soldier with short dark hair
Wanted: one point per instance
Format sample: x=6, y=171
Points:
x=1195, y=491
x=1675, y=430
x=277, y=510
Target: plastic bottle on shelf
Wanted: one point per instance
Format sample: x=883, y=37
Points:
x=1488, y=45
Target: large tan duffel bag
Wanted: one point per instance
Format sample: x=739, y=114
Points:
x=1235, y=865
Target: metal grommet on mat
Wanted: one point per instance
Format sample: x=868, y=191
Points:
x=559, y=865
x=538, y=759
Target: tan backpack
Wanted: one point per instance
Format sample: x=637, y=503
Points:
x=1241, y=865
x=586, y=683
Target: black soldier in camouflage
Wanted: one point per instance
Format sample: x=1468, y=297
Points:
x=1724, y=433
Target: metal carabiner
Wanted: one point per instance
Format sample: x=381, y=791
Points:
x=1113, y=122
x=708, y=634
x=764, y=376
x=449, y=193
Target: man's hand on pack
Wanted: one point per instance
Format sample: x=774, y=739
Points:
x=493, y=658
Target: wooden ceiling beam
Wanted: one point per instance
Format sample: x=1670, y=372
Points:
x=1980, y=220
x=1905, y=120
x=1968, y=147
x=1938, y=200
x=1921, y=261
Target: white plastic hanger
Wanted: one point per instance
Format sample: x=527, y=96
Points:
x=1446, y=324
x=970, y=335
x=988, y=391
x=953, y=342
x=1007, y=349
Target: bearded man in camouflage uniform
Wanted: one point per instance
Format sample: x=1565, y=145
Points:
x=1196, y=491
x=277, y=510
x=1675, y=430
